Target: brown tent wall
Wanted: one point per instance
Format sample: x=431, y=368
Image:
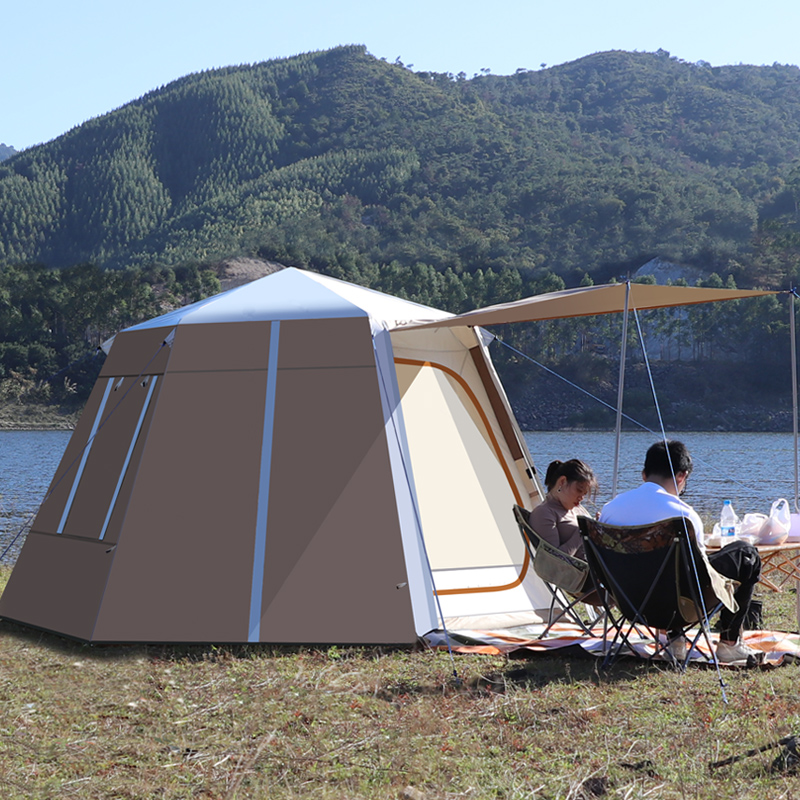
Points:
x=176, y=560
x=332, y=534
x=181, y=569
x=61, y=574
x=335, y=572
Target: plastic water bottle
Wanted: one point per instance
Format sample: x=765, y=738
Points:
x=727, y=520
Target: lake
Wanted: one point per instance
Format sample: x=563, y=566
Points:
x=750, y=469
x=28, y=461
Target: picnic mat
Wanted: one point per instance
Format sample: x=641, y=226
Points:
x=779, y=647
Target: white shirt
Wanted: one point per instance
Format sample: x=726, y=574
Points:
x=650, y=503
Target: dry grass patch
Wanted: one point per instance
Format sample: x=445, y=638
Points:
x=250, y=722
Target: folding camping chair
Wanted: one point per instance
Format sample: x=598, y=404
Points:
x=566, y=578
x=658, y=580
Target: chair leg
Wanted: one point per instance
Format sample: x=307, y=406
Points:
x=596, y=614
x=567, y=609
x=703, y=631
x=550, y=620
x=621, y=639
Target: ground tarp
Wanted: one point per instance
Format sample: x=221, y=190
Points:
x=779, y=647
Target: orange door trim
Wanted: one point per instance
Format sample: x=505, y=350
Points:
x=496, y=445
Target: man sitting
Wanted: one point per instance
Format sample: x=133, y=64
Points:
x=667, y=466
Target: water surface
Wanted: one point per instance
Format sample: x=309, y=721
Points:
x=28, y=461
x=750, y=469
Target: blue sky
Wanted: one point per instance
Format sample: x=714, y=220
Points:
x=63, y=63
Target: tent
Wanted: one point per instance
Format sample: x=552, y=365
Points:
x=283, y=463
x=609, y=299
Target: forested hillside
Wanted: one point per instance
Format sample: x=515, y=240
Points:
x=451, y=191
x=6, y=151
x=344, y=162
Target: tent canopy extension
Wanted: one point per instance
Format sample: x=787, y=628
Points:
x=283, y=463
x=609, y=298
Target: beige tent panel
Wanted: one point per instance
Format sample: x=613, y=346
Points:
x=462, y=483
x=412, y=370
x=481, y=569
x=520, y=595
x=175, y=578
x=325, y=502
x=468, y=378
x=57, y=584
x=457, y=353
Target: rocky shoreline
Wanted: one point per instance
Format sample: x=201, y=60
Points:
x=37, y=418
x=551, y=405
x=736, y=420
x=692, y=396
x=558, y=413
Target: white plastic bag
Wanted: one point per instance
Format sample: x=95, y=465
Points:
x=794, y=531
x=775, y=529
x=752, y=524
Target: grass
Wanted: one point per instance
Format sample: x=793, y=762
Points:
x=250, y=722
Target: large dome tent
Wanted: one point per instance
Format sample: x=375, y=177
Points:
x=285, y=462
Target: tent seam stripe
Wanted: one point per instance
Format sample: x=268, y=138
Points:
x=259, y=550
x=84, y=458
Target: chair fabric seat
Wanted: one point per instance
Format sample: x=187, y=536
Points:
x=566, y=577
x=656, y=576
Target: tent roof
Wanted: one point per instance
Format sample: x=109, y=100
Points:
x=589, y=300
x=296, y=294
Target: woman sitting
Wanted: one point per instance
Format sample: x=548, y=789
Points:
x=556, y=518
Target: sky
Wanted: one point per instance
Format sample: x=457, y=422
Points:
x=62, y=63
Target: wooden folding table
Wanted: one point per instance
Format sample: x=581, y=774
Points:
x=780, y=563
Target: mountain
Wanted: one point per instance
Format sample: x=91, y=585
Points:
x=6, y=151
x=344, y=162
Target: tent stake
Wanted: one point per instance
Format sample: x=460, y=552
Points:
x=787, y=740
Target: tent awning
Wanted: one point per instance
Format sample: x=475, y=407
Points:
x=590, y=300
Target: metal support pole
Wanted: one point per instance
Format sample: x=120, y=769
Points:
x=793, y=338
x=621, y=386
x=794, y=394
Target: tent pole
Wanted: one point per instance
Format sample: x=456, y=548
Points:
x=794, y=393
x=621, y=387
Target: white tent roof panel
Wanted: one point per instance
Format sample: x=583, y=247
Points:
x=295, y=294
